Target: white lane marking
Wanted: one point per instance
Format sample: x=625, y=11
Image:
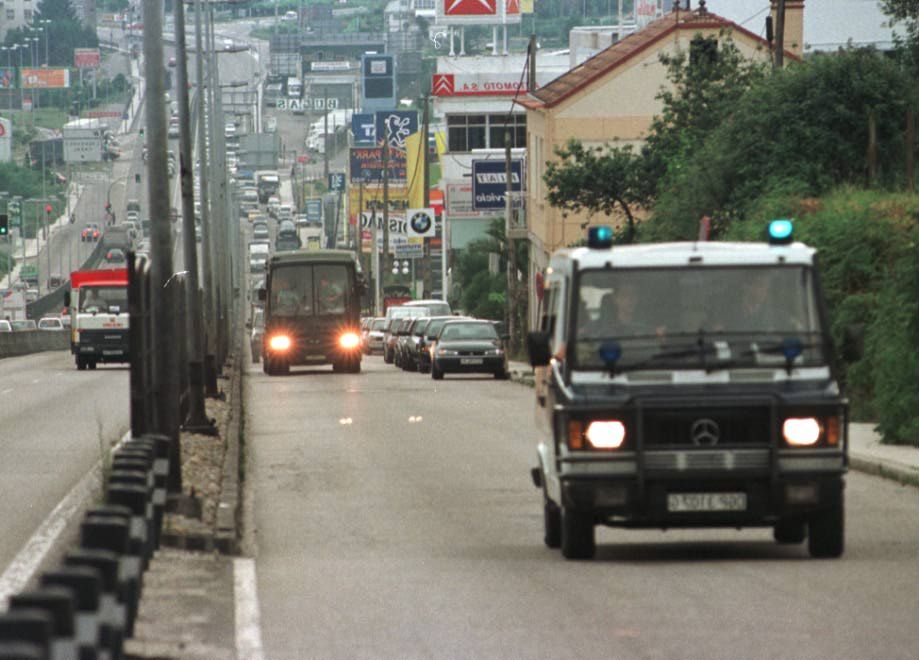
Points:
x=248, y=628
x=33, y=553
x=36, y=381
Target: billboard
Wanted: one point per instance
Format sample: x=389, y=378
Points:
x=7, y=77
x=364, y=128
x=489, y=183
x=367, y=165
x=378, y=82
x=45, y=78
x=477, y=12
x=397, y=125
x=6, y=140
x=86, y=58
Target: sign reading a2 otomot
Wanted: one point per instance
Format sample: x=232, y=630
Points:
x=473, y=84
x=45, y=78
x=86, y=58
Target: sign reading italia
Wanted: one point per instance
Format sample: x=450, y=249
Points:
x=472, y=84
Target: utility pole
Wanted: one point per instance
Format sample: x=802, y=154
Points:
x=166, y=377
x=426, y=199
x=210, y=369
x=325, y=135
x=779, y=34
x=197, y=416
x=511, y=297
x=384, y=268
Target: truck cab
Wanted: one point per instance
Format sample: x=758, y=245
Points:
x=312, y=311
x=98, y=302
x=688, y=385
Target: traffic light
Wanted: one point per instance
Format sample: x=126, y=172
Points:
x=48, y=209
x=4, y=224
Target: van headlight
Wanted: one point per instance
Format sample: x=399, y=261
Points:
x=802, y=431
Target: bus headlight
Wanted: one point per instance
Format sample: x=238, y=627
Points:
x=279, y=343
x=349, y=340
x=802, y=431
x=606, y=435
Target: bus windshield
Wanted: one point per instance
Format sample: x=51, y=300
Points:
x=310, y=290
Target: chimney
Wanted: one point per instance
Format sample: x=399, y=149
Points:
x=794, y=25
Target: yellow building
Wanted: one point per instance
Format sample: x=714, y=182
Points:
x=611, y=98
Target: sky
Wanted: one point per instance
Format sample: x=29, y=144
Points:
x=827, y=23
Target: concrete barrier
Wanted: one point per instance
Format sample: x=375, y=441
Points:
x=33, y=341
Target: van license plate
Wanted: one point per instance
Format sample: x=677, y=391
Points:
x=690, y=502
x=471, y=360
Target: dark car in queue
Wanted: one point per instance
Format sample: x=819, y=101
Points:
x=469, y=347
x=408, y=343
x=401, y=334
x=429, y=340
x=312, y=311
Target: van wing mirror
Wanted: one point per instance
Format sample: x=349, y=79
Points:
x=538, y=348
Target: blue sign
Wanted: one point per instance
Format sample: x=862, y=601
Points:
x=364, y=128
x=337, y=181
x=397, y=125
x=314, y=210
x=489, y=183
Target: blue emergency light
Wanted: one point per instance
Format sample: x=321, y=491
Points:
x=600, y=237
x=781, y=231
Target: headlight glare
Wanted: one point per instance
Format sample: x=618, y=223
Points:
x=349, y=340
x=606, y=434
x=279, y=343
x=802, y=431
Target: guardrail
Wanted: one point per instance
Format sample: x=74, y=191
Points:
x=86, y=606
x=32, y=341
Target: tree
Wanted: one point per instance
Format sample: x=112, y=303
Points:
x=901, y=10
x=594, y=179
x=804, y=129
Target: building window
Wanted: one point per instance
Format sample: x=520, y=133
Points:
x=11, y=14
x=468, y=132
x=27, y=14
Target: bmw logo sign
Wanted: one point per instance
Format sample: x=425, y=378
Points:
x=421, y=223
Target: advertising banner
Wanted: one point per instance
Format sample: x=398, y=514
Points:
x=367, y=165
x=477, y=12
x=477, y=84
x=489, y=183
x=45, y=78
x=86, y=58
x=6, y=140
x=7, y=78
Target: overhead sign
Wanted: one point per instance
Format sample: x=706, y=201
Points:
x=367, y=165
x=477, y=12
x=314, y=209
x=86, y=58
x=489, y=183
x=397, y=125
x=364, y=128
x=330, y=65
x=477, y=84
x=45, y=78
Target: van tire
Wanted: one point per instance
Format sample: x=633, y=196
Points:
x=577, y=537
x=552, y=523
x=789, y=531
x=91, y=364
x=826, y=530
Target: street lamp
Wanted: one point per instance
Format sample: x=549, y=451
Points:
x=20, y=48
x=46, y=22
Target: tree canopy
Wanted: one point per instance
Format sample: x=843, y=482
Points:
x=59, y=37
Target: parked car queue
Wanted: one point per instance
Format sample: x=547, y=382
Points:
x=438, y=345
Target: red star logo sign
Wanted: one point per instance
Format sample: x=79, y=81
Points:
x=470, y=7
x=512, y=7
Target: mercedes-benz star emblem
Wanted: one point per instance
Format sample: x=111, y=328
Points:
x=705, y=432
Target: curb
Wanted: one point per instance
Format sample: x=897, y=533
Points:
x=226, y=536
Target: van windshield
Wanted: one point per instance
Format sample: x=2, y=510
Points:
x=681, y=317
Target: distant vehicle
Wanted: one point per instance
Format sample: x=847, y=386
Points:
x=287, y=229
x=115, y=256
x=373, y=338
x=294, y=88
x=91, y=232
x=5, y=326
x=312, y=312
x=469, y=347
x=271, y=124
x=268, y=184
x=286, y=244
x=174, y=129
x=260, y=230
x=98, y=300
x=53, y=323
x=289, y=16
x=23, y=326
x=257, y=332
x=171, y=62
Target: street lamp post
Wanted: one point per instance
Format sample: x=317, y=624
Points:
x=20, y=48
x=45, y=22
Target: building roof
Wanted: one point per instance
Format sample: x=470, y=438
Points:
x=629, y=47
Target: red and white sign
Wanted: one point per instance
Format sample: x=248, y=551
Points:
x=477, y=84
x=512, y=7
x=86, y=58
x=645, y=11
x=45, y=78
x=103, y=114
x=470, y=7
